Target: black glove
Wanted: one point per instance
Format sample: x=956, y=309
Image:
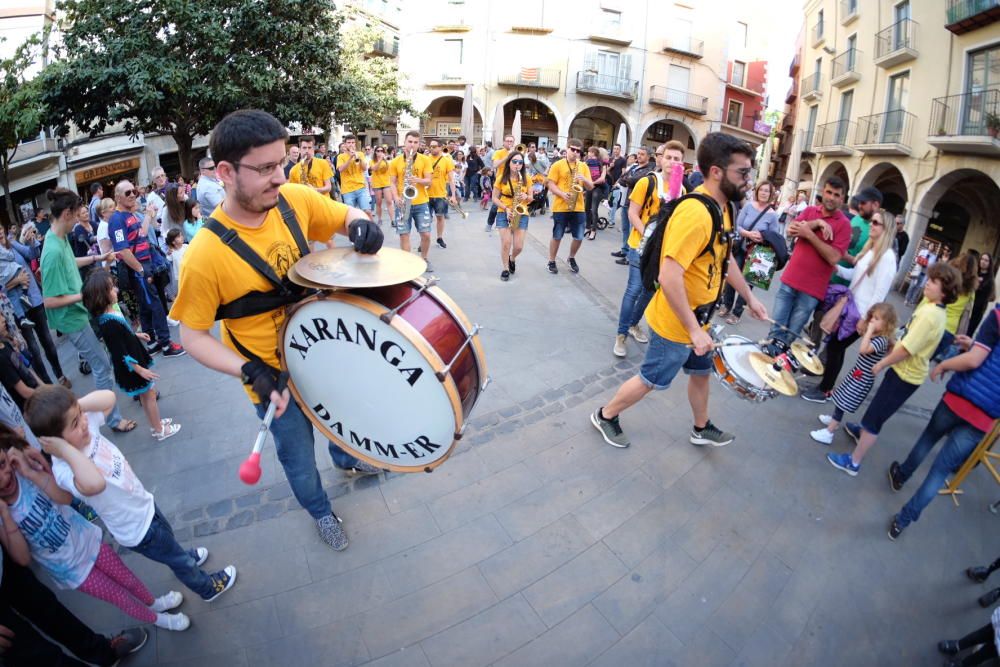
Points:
x=263, y=379
x=366, y=236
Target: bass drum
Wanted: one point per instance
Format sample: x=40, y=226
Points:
x=389, y=374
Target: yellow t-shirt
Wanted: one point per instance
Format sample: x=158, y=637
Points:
x=317, y=174
x=923, y=334
x=421, y=169
x=380, y=175
x=650, y=211
x=507, y=190
x=214, y=275
x=683, y=240
x=561, y=174
x=352, y=178
x=441, y=166
x=499, y=157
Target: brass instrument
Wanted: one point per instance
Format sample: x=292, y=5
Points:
x=409, y=189
x=305, y=167
x=575, y=190
x=457, y=207
x=519, y=209
x=520, y=148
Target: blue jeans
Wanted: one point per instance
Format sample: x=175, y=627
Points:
x=358, y=199
x=792, y=309
x=664, y=358
x=293, y=441
x=152, y=313
x=626, y=227
x=635, y=299
x=960, y=439
x=160, y=545
x=86, y=343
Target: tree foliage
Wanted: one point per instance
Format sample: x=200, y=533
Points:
x=21, y=110
x=177, y=67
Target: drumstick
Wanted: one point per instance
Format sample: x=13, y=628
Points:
x=250, y=469
x=731, y=344
x=808, y=342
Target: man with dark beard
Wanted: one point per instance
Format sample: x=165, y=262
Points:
x=691, y=268
x=264, y=222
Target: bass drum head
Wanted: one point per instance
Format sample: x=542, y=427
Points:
x=737, y=358
x=370, y=386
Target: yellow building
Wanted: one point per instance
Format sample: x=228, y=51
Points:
x=905, y=96
x=580, y=69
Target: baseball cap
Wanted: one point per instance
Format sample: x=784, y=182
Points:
x=868, y=194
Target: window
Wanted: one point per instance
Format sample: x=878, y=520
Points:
x=852, y=7
x=901, y=29
x=678, y=84
x=819, y=24
x=852, y=46
x=984, y=70
x=740, y=36
x=453, y=51
x=846, y=102
x=734, y=114
x=739, y=73
x=661, y=132
x=611, y=19
x=895, y=117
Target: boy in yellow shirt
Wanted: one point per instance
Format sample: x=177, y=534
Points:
x=442, y=180
x=311, y=170
x=351, y=164
x=421, y=180
x=567, y=215
x=690, y=276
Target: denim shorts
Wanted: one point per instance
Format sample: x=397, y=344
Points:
x=504, y=223
x=439, y=206
x=358, y=198
x=420, y=215
x=891, y=394
x=571, y=221
x=665, y=357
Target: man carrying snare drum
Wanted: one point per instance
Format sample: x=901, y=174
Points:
x=237, y=273
x=691, y=267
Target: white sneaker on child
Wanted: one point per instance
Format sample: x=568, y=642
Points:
x=167, y=431
x=825, y=419
x=171, y=600
x=822, y=436
x=202, y=555
x=175, y=622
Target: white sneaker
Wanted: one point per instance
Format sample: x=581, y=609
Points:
x=202, y=556
x=822, y=436
x=639, y=335
x=619, y=348
x=175, y=622
x=167, y=431
x=825, y=419
x=171, y=600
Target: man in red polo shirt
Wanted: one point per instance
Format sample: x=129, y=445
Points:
x=823, y=234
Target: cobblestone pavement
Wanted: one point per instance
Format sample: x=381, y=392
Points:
x=538, y=544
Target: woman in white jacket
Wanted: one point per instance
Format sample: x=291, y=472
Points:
x=871, y=278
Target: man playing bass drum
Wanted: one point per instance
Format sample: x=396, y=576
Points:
x=237, y=274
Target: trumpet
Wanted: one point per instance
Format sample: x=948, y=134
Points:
x=457, y=207
x=520, y=148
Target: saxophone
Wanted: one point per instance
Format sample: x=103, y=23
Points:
x=575, y=190
x=519, y=208
x=409, y=190
x=305, y=167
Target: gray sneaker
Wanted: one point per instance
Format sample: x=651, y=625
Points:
x=610, y=430
x=332, y=532
x=363, y=468
x=711, y=435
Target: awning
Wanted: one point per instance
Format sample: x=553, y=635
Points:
x=39, y=172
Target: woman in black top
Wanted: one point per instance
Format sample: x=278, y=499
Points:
x=985, y=293
x=83, y=239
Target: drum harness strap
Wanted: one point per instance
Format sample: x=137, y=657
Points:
x=256, y=302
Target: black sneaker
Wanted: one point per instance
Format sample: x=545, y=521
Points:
x=85, y=367
x=510, y=263
x=978, y=574
x=553, y=268
x=622, y=261
x=154, y=348
x=949, y=647
x=173, y=350
x=618, y=253
x=128, y=641
x=505, y=276
x=815, y=396
x=895, y=530
x=441, y=243
x=573, y=266
x=895, y=479
x=26, y=324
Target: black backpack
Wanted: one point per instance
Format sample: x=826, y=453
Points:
x=649, y=263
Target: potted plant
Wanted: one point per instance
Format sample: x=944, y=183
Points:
x=992, y=124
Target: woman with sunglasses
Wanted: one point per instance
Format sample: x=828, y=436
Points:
x=510, y=190
x=380, y=184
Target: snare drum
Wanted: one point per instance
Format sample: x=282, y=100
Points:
x=390, y=374
x=732, y=366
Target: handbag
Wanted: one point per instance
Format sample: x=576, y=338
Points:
x=830, y=321
x=760, y=265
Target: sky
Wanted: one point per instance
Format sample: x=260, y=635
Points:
x=782, y=19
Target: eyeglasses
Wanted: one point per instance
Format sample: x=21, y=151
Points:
x=263, y=170
x=744, y=172
x=130, y=193
x=212, y=168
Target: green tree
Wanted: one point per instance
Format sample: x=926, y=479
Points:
x=21, y=111
x=374, y=80
x=177, y=67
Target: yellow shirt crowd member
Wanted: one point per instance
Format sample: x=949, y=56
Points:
x=561, y=174
x=683, y=241
x=380, y=175
x=441, y=166
x=499, y=157
x=421, y=169
x=316, y=172
x=214, y=275
x=648, y=211
x=923, y=333
x=507, y=190
x=352, y=178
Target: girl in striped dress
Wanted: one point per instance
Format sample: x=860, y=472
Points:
x=879, y=328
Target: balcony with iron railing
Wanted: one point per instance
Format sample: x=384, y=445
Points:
x=680, y=100
x=812, y=87
x=832, y=138
x=887, y=133
x=385, y=47
x=968, y=15
x=966, y=123
x=685, y=46
x=603, y=85
x=818, y=34
x=807, y=142
x=542, y=78
x=26, y=150
x=845, y=68
x=849, y=11
x=896, y=44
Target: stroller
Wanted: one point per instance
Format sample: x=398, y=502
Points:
x=539, y=200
